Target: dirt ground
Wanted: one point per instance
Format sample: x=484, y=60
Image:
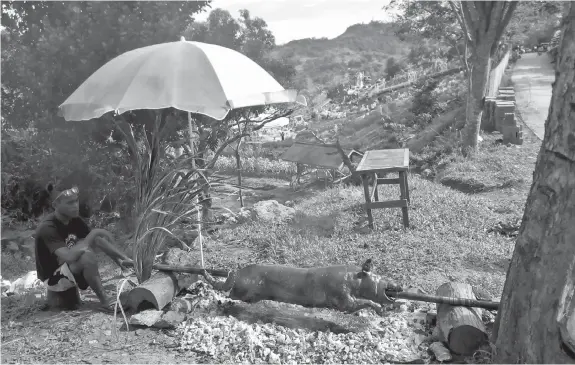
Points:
x=33, y=335
x=256, y=189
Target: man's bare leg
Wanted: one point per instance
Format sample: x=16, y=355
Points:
x=87, y=266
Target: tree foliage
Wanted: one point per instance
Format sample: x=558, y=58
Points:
x=432, y=21
x=393, y=67
x=480, y=25
x=534, y=22
x=246, y=34
x=50, y=48
x=250, y=36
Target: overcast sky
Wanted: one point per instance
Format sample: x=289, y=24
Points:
x=297, y=19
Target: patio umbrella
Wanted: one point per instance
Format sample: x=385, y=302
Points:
x=191, y=76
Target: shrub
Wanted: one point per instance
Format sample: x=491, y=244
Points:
x=393, y=68
x=64, y=157
x=257, y=166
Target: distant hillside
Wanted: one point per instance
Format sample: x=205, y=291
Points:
x=324, y=62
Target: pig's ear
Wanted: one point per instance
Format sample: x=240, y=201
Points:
x=367, y=265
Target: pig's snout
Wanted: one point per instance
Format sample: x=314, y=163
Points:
x=393, y=286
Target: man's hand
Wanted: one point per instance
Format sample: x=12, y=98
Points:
x=81, y=245
x=73, y=253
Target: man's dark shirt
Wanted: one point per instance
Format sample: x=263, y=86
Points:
x=51, y=235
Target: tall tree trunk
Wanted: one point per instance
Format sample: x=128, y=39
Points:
x=478, y=80
x=538, y=294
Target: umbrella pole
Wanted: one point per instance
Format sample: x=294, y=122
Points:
x=191, y=130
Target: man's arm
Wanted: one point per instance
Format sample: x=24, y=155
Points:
x=72, y=254
x=57, y=246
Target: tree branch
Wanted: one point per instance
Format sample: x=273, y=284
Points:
x=511, y=6
x=462, y=20
x=495, y=16
x=472, y=19
x=467, y=39
x=316, y=137
x=262, y=124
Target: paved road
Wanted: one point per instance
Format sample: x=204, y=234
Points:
x=532, y=78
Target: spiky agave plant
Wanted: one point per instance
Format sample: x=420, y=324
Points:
x=165, y=192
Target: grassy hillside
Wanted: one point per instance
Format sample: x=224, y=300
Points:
x=325, y=62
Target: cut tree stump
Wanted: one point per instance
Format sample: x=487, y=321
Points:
x=63, y=300
x=461, y=328
x=158, y=291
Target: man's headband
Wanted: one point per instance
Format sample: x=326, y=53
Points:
x=67, y=193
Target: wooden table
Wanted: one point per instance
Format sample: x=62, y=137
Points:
x=381, y=162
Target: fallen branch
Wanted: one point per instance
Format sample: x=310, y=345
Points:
x=354, y=177
x=409, y=83
x=159, y=290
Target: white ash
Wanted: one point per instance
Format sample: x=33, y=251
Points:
x=398, y=337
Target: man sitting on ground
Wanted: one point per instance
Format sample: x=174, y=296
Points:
x=64, y=244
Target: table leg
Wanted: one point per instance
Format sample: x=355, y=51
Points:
x=404, y=195
x=406, y=187
x=376, y=193
x=365, y=180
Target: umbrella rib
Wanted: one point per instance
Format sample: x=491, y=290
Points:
x=142, y=65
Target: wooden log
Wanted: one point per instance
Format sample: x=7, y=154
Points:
x=461, y=328
x=441, y=353
x=158, y=291
x=63, y=300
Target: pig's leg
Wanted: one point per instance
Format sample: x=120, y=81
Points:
x=352, y=305
x=218, y=285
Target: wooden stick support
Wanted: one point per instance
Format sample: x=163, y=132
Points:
x=461, y=328
x=158, y=291
x=486, y=304
x=63, y=300
x=182, y=269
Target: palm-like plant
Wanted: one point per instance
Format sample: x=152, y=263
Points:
x=166, y=190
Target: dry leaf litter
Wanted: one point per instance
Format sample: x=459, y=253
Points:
x=402, y=336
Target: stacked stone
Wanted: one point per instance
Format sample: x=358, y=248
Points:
x=499, y=115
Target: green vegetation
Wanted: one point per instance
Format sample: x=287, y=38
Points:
x=457, y=200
